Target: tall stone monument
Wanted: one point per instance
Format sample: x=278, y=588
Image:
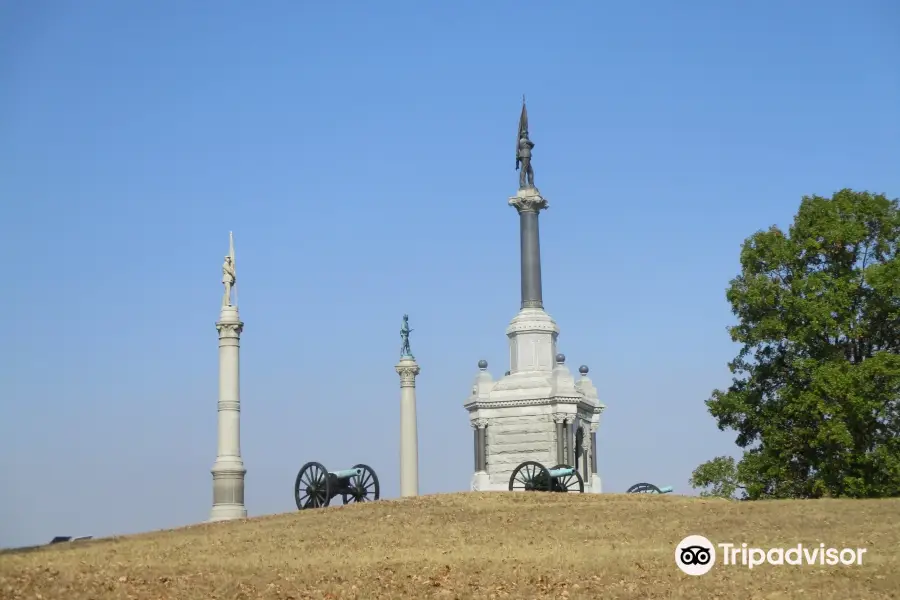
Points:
x=537, y=410
x=228, y=471
x=408, y=369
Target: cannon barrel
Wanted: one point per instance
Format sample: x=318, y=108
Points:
x=346, y=473
x=564, y=472
x=666, y=490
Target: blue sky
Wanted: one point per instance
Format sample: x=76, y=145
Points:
x=362, y=153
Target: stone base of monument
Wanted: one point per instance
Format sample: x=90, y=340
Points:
x=536, y=412
x=481, y=482
x=227, y=512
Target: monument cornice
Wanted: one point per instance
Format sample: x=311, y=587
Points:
x=528, y=326
x=578, y=402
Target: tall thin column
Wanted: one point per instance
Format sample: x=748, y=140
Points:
x=228, y=472
x=407, y=368
x=529, y=203
x=530, y=248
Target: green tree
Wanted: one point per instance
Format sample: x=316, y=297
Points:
x=717, y=478
x=815, y=393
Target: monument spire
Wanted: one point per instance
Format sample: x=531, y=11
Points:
x=228, y=471
x=528, y=202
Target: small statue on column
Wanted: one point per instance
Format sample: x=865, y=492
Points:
x=523, y=151
x=228, y=278
x=404, y=337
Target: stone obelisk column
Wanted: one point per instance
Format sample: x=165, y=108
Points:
x=408, y=369
x=228, y=471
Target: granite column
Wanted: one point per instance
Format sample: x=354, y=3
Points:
x=228, y=471
x=408, y=369
x=529, y=202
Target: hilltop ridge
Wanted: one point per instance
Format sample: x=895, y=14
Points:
x=475, y=545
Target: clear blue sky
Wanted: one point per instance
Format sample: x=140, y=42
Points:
x=363, y=154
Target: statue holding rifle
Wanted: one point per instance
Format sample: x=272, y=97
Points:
x=404, y=338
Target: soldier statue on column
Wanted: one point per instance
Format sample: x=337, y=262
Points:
x=228, y=278
x=404, y=337
x=523, y=151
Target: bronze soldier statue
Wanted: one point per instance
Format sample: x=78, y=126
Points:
x=526, y=174
x=523, y=151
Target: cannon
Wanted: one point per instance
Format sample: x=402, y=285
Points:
x=316, y=486
x=649, y=488
x=532, y=476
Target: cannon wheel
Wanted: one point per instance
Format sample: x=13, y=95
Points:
x=643, y=488
x=569, y=483
x=530, y=476
x=312, y=489
x=364, y=487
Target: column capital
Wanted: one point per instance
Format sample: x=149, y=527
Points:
x=560, y=417
x=479, y=423
x=229, y=329
x=529, y=200
x=407, y=369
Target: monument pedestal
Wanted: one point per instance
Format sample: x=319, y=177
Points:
x=540, y=415
x=228, y=490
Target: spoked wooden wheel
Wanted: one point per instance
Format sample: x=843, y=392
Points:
x=364, y=487
x=312, y=488
x=568, y=483
x=530, y=476
x=643, y=488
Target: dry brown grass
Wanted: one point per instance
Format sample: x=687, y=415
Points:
x=493, y=545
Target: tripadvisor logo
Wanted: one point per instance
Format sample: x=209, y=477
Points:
x=696, y=555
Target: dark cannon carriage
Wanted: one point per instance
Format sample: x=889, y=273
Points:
x=315, y=486
x=532, y=476
x=648, y=488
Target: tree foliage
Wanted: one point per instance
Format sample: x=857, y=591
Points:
x=717, y=478
x=815, y=394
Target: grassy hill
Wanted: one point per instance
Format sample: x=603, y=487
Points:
x=470, y=545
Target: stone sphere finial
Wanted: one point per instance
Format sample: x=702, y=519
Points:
x=583, y=369
x=482, y=364
x=561, y=358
